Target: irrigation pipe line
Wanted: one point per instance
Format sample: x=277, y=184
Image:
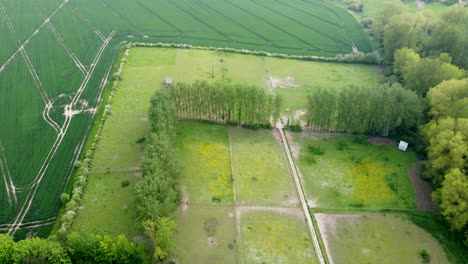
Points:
x=300, y=191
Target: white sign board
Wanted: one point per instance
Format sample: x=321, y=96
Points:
x=403, y=145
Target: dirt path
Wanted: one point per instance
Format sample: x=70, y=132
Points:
x=300, y=191
x=422, y=190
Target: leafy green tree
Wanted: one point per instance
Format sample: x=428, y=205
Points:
x=92, y=248
x=450, y=98
x=6, y=248
x=449, y=36
x=36, y=250
x=453, y=200
x=399, y=33
x=420, y=75
x=162, y=232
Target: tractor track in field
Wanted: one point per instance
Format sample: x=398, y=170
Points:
x=268, y=41
x=31, y=68
x=308, y=13
x=165, y=21
x=84, y=19
x=301, y=24
x=344, y=26
x=57, y=35
x=274, y=26
x=201, y=21
x=2, y=10
x=121, y=17
x=7, y=177
x=69, y=113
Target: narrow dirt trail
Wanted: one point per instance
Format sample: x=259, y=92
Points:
x=300, y=191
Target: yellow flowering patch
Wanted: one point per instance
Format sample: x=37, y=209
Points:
x=369, y=184
x=210, y=172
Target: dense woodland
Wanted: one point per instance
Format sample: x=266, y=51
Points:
x=430, y=57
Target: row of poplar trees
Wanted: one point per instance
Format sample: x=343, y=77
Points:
x=234, y=104
x=364, y=110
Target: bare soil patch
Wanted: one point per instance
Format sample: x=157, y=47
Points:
x=212, y=242
x=288, y=82
x=185, y=200
x=282, y=210
x=381, y=141
x=422, y=190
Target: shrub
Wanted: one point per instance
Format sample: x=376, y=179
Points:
x=315, y=150
x=64, y=197
x=425, y=257
x=125, y=183
x=295, y=128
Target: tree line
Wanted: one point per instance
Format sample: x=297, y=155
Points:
x=225, y=103
x=364, y=110
x=158, y=193
x=447, y=137
x=75, y=248
x=429, y=56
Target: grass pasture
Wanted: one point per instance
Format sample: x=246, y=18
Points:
x=261, y=175
x=377, y=238
x=207, y=234
x=108, y=207
x=345, y=172
x=205, y=161
x=275, y=237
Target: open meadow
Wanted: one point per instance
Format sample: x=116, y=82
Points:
x=350, y=172
x=377, y=238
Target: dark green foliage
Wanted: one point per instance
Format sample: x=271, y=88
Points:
x=141, y=140
x=246, y=105
x=157, y=194
x=76, y=248
x=125, y=183
x=295, y=128
x=364, y=110
x=315, y=150
x=425, y=257
x=87, y=248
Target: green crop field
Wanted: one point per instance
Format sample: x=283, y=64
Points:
x=56, y=57
x=376, y=238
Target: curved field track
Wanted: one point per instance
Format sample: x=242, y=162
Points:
x=56, y=57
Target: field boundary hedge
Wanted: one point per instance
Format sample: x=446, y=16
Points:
x=359, y=57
